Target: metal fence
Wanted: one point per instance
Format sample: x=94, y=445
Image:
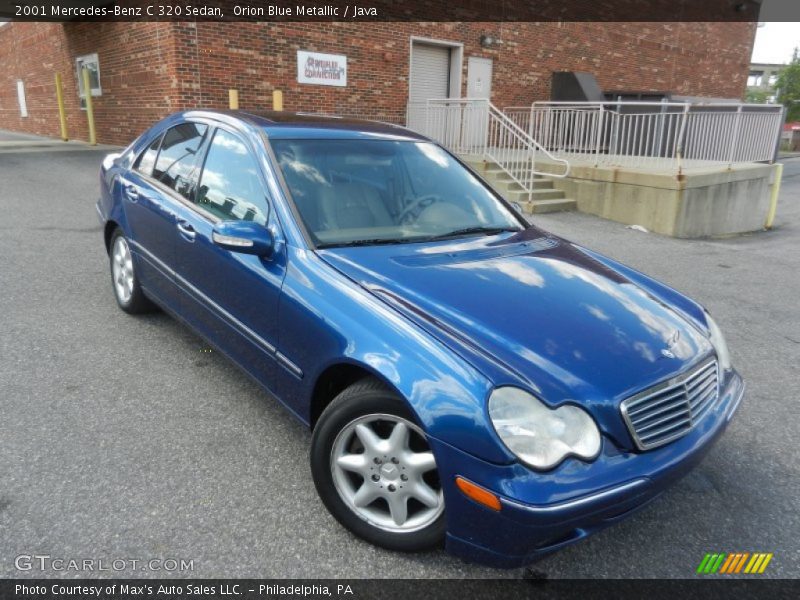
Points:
x=670, y=136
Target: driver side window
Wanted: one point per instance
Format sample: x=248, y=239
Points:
x=230, y=186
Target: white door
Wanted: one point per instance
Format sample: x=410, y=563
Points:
x=429, y=78
x=479, y=85
x=479, y=77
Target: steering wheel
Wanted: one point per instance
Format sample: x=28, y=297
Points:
x=410, y=212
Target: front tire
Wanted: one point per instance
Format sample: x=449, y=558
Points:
x=375, y=472
x=124, y=279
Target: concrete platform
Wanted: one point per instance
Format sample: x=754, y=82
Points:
x=704, y=200
x=711, y=202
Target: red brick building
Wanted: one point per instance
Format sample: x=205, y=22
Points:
x=146, y=70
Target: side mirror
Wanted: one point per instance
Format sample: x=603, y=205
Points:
x=110, y=159
x=246, y=237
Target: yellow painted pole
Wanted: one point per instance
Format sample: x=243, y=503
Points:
x=62, y=114
x=233, y=99
x=87, y=90
x=773, y=201
x=277, y=100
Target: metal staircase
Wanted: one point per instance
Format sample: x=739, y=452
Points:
x=514, y=163
x=541, y=198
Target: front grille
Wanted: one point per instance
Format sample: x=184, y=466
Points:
x=670, y=409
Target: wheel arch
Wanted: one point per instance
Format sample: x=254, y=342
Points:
x=334, y=379
x=108, y=231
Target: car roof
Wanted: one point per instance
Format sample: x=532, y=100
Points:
x=297, y=125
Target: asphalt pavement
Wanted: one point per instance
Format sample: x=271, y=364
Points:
x=122, y=438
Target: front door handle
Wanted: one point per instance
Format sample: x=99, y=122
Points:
x=132, y=193
x=186, y=230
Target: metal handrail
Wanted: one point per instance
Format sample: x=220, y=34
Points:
x=496, y=112
x=475, y=126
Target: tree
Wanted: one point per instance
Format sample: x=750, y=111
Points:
x=757, y=96
x=788, y=85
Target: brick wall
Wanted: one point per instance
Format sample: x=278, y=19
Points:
x=148, y=70
x=136, y=76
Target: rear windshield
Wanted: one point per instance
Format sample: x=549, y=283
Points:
x=361, y=192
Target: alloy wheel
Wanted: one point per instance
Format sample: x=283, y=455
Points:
x=122, y=270
x=385, y=472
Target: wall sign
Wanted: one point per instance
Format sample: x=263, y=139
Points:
x=321, y=69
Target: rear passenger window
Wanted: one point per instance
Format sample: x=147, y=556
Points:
x=147, y=159
x=230, y=187
x=176, y=164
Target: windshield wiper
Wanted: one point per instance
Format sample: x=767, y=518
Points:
x=469, y=230
x=368, y=242
x=410, y=240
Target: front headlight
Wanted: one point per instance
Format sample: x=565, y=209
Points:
x=718, y=341
x=538, y=435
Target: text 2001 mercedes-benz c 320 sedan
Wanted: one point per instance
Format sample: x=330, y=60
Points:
x=469, y=378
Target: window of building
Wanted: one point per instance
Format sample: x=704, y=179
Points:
x=754, y=79
x=176, y=165
x=91, y=63
x=230, y=186
x=773, y=79
x=23, y=103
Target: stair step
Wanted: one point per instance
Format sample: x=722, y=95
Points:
x=494, y=168
x=547, y=206
x=540, y=183
x=546, y=194
x=512, y=164
x=478, y=165
x=503, y=176
x=521, y=196
x=498, y=174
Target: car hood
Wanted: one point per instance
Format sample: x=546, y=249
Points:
x=535, y=310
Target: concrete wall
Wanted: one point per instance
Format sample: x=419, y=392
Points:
x=715, y=202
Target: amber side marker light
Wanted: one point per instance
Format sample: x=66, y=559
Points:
x=478, y=494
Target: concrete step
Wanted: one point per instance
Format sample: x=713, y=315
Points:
x=498, y=174
x=546, y=206
x=512, y=164
x=502, y=176
x=535, y=195
x=508, y=185
x=475, y=164
x=546, y=194
x=482, y=165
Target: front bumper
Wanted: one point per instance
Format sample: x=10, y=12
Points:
x=542, y=512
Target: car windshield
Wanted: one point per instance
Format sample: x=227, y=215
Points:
x=365, y=192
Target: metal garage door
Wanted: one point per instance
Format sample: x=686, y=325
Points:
x=430, y=72
x=429, y=78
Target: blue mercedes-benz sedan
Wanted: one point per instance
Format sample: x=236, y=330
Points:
x=469, y=378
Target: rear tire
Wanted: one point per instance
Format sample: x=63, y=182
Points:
x=124, y=279
x=374, y=471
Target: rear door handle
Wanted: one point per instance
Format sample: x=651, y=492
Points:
x=132, y=193
x=186, y=230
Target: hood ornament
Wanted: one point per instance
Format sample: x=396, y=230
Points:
x=672, y=341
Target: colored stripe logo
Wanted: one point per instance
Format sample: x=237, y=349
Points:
x=722, y=563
